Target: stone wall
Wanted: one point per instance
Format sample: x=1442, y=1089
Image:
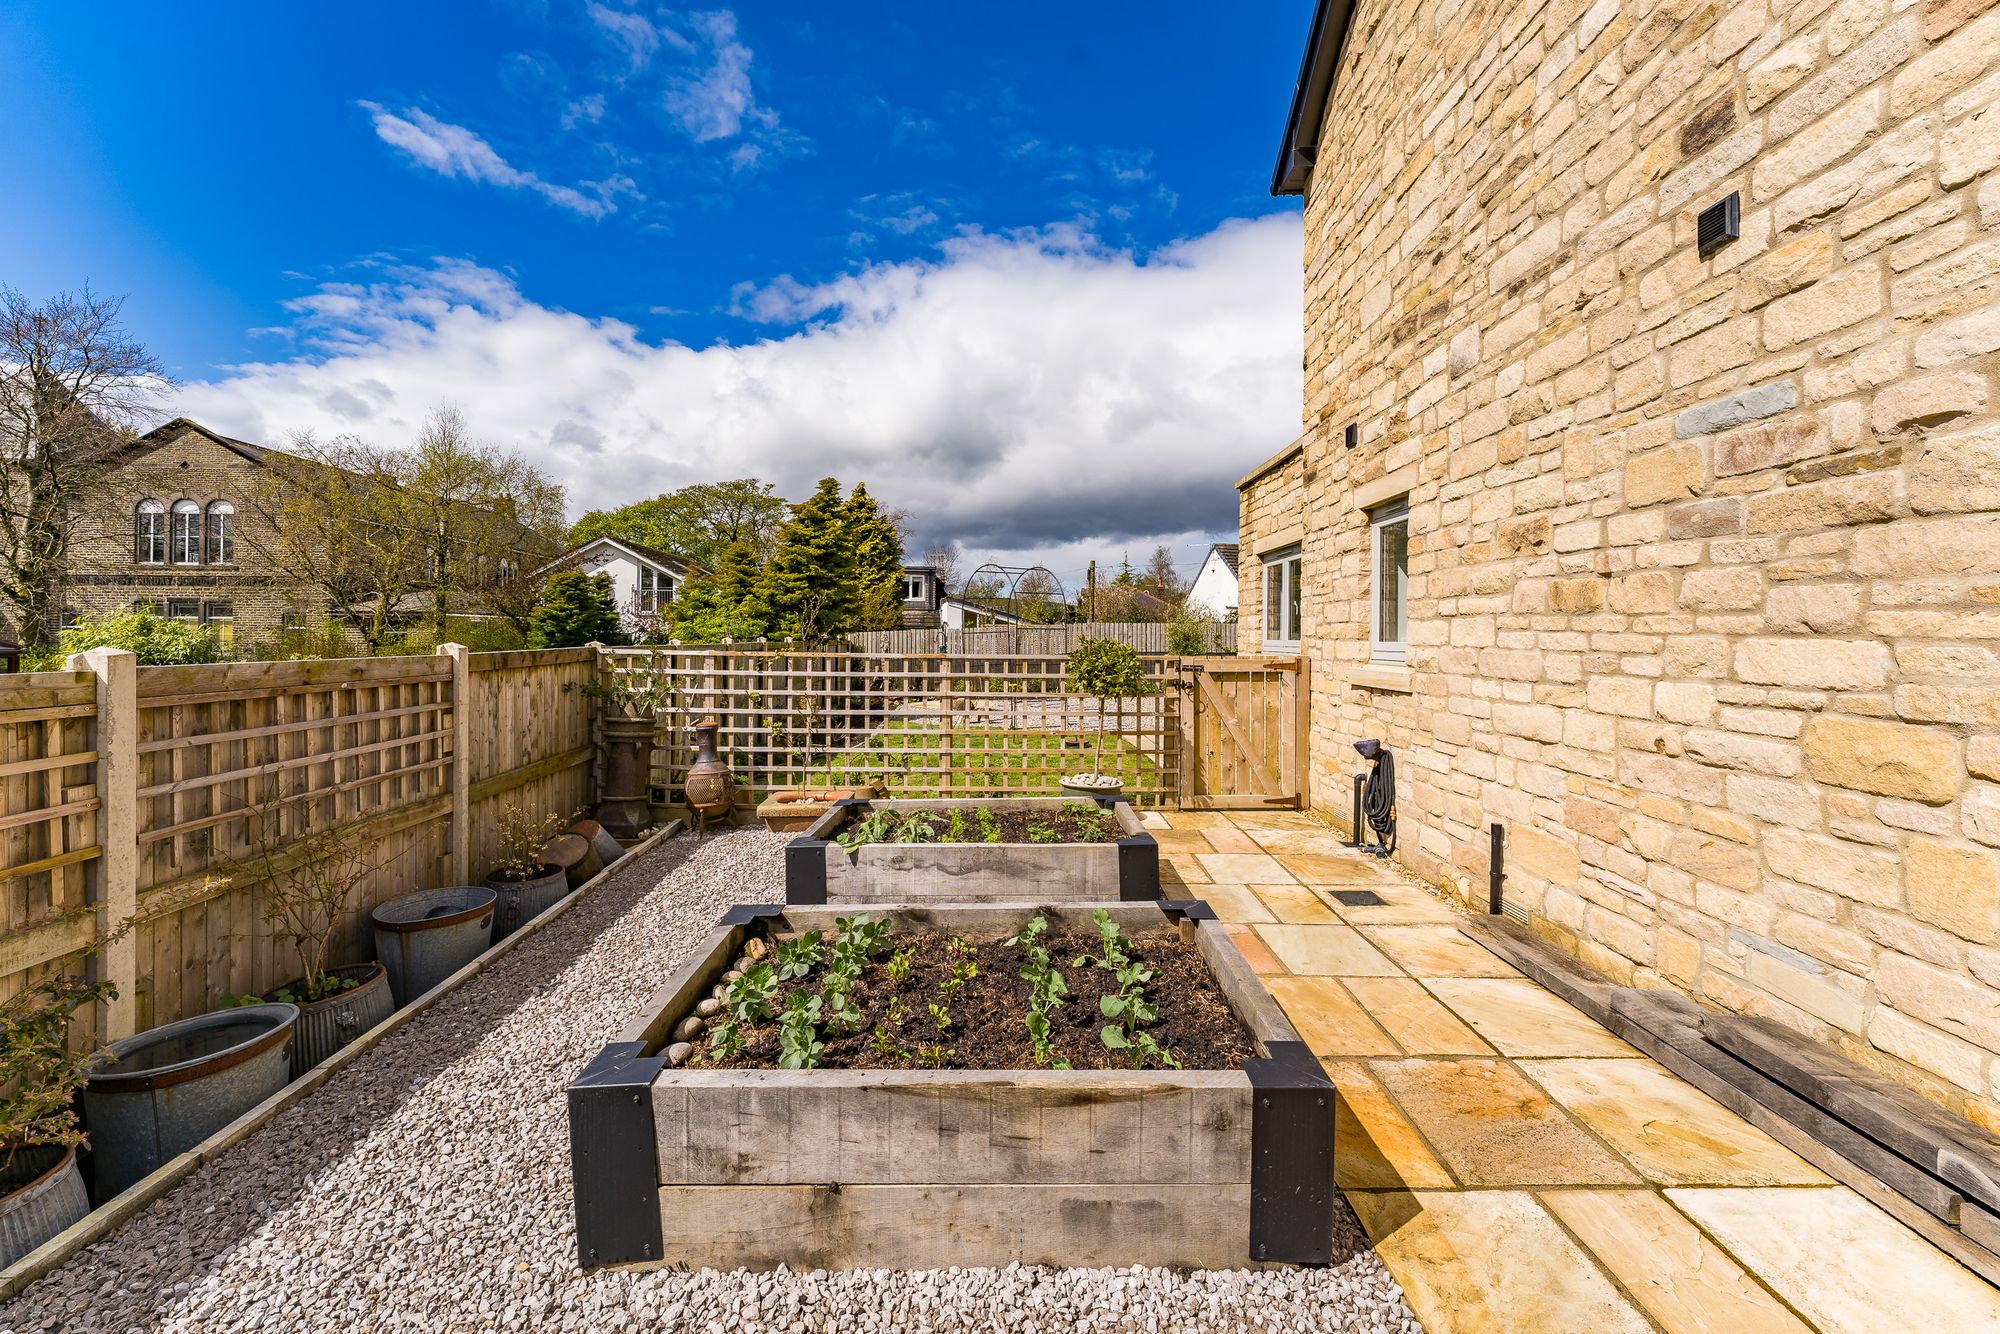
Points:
x=1704, y=553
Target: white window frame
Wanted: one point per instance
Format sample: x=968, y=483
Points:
x=149, y=536
x=1287, y=563
x=219, y=537
x=184, y=533
x=1395, y=652
x=913, y=588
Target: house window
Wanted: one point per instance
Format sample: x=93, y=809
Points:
x=1281, y=601
x=149, y=545
x=186, y=539
x=1388, y=582
x=221, y=618
x=913, y=588
x=221, y=533
x=184, y=609
x=654, y=588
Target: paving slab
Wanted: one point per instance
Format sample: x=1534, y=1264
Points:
x=1492, y=1262
x=1236, y=903
x=1232, y=840
x=1374, y=1145
x=1244, y=868
x=1493, y=1127
x=1417, y=1020
x=1684, y=1280
x=1182, y=869
x=1346, y=868
x=1294, y=903
x=1438, y=951
x=1253, y=949
x=1252, y=821
x=1668, y=1129
x=1521, y=1019
x=1298, y=840
x=1199, y=820
x=1841, y=1262
x=1330, y=1020
x=1188, y=841
x=1338, y=951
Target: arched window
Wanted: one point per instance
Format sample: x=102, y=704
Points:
x=221, y=533
x=185, y=540
x=149, y=530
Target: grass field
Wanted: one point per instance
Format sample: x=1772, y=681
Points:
x=917, y=759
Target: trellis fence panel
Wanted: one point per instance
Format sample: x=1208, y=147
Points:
x=165, y=796
x=1145, y=636
x=917, y=724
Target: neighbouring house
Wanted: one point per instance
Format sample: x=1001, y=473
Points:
x=1647, y=501
x=957, y=613
x=644, y=579
x=923, y=597
x=1213, y=592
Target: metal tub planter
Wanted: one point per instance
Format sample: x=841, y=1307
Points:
x=43, y=1195
x=425, y=937
x=331, y=1022
x=519, y=901
x=166, y=1090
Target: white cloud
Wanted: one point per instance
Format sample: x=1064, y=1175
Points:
x=1021, y=393
x=453, y=150
x=633, y=32
x=714, y=102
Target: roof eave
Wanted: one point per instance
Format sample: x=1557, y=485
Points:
x=1300, y=146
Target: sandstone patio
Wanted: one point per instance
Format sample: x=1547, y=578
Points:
x=1518, y=1167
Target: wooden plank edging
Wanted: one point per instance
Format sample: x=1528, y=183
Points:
x=107, y=1217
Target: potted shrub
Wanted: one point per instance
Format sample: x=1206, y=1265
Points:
x=41, y=1191
x=627, y=716
x=1104, y=670
x=309, y=885
x=525, y=884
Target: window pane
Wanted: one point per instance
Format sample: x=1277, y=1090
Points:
x=1292, y=582
x=221, y=533
x=1391, y=568
x=1274, y=596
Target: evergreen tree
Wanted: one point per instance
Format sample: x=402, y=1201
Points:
x=876, y=550
x=575, y=609
x=807, y=590
x=721, y=605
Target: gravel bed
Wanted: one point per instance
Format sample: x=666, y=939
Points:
x=426, y=1185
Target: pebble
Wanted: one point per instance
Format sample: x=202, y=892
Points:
x=688, y=1029
x=709, y=1008
x=425, y=1186
x=678, y=1052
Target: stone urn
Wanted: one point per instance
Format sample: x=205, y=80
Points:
x=710, y=787
x=626, y=811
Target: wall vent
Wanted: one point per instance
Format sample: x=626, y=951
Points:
x=1719, y=224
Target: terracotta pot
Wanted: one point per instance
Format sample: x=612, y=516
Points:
x=626, y=811
x=575, y=855
x=608, y=848
x=710, y=787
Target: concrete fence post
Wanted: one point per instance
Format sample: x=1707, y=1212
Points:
x=117, y=673
x=462, y=724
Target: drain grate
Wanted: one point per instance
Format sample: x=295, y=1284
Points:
x=1359, y=898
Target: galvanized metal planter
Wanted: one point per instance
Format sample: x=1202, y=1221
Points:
x=168, y=1089
x=918, y=1169
x=328, y=1024
x=425, y=937
x=45, y=1195
x=517, y=901
x=819, y=870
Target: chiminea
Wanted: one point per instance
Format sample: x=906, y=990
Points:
x=710, y=787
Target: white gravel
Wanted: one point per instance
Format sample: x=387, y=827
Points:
x=426, y=1186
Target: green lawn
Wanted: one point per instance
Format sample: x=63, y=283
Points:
x=911, y=757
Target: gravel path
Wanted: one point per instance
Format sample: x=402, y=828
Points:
x=426, y=1187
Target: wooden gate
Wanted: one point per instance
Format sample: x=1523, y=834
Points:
x=1243, y=732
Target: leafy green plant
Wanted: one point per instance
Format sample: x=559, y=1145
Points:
x=934, y=1055
x=1128, y=1005
x=963, y=969
x=940, y=1016
x=39, y=1070
x=896, y=1012
x=799, y=956
x=898, y=967
x=749, y=996
x=1048, y=984
x=157, y=641
x=884, y=1045
x=956, y=833
x=725, y=1038
x=1105, y=669
x=989, y=825
x=1041, y=831
x=799, y=1047
x=870, y=937
x=870, y=828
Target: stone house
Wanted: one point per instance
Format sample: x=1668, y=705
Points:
x=1672, y=549
x=644, y=579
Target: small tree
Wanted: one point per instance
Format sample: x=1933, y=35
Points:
x=1105, y=669
x=308, y=885
x=575, y=609
x=39, y=1070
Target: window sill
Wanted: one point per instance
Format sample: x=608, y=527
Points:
x=1387, y=677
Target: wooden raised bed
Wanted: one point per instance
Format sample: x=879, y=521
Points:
x=918, y=1169
x=819, y=870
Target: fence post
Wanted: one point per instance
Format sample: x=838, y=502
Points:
x=461, y=762
x=117, y=673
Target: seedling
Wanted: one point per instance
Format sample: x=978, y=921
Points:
x=898, y=967
x=749, y=997
x=725, y=1039
x=935, y=1055
x=797, y=957
x=941, y=1017
x=884, y=1045
x=799, y=1047
x=989, y=825
x=1048, y=984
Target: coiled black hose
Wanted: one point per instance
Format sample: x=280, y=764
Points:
x=1378, y=798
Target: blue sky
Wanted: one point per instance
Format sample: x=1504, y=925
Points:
x=967, y=252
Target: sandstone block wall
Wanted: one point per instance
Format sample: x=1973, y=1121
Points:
x=1704, y=552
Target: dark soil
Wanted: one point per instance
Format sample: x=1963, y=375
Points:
x=987, y=1029
x=1077, y=822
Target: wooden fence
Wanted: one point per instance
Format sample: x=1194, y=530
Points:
x=1145, y=636
x=929, y=724
x=165, y=796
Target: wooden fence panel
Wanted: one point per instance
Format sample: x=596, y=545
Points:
x=532, y=746
x=917, y=724
x=48, y=826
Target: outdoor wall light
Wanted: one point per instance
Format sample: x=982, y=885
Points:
x=1719, y=224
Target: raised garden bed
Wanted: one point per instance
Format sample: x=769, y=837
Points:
x=901, y=1160
x=981, y=850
